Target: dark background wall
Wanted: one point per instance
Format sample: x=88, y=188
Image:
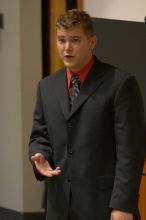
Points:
x=123, y=44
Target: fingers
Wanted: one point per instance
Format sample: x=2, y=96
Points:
x=54, y=172
x=47, y=170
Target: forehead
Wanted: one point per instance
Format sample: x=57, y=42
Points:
x=73, y=31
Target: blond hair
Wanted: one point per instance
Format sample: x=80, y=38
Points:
x=76, y=18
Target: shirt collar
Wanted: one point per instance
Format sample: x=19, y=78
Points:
x=81, y=74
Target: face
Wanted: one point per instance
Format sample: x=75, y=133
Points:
x=75, y=47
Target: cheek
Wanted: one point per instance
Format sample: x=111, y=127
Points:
x=60, y=50
x=83, y=52
x=84, y=48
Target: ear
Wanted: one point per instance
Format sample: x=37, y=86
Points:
x=93, y=42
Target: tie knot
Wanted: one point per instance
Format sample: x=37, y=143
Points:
x=75, y=80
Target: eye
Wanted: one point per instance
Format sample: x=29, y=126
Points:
x=75, y=40
x=61, y=40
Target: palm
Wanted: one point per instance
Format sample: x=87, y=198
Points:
x=44, y=167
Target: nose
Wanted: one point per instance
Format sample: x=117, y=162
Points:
x=68, y=46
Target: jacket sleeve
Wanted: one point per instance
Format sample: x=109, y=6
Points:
x=39, y=139
x=129, y=124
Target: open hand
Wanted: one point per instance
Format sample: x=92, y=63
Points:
x=43, y=166
x=120, y=215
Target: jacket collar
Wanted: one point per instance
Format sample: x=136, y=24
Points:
x=93, y=80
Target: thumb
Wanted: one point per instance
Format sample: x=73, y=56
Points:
x=38, y=157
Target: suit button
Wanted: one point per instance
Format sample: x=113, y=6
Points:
x=69, y=125
x=70, y=152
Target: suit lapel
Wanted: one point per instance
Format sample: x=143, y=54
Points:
x=92, y=82
x=62, y=93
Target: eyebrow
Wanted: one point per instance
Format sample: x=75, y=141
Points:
x=62, y=36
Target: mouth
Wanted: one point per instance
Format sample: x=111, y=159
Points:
x=68, y=56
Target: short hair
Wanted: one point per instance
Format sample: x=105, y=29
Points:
x=76, y=18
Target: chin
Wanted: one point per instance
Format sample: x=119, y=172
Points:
x=68, y=65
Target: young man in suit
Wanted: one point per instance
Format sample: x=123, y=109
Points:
x=87, y=139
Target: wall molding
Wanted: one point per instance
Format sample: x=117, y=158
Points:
x=8, y=214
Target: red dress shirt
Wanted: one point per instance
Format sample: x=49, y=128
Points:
x=81, y=74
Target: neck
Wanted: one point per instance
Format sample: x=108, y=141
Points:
x=74, y=70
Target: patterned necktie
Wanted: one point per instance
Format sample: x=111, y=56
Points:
x=75, y=88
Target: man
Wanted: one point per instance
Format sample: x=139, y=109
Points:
x=87, y=139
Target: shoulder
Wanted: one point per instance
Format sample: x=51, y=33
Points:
x=114, y=74
x=52, y=78
x=117, y=81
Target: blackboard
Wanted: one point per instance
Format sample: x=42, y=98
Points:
x=123, y=44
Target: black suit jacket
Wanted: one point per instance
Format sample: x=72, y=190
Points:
x=99, y=143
